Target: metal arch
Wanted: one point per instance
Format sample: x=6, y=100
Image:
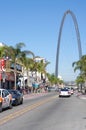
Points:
x=59, y=38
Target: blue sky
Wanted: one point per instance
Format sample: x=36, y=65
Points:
x=37, y=23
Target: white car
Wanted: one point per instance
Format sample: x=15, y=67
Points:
x=6, y=99
x=70, y=89
x=64, y=92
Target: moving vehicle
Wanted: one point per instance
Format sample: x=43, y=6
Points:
x=64, y=92
x=17, y=97
x=70, y=89
x=5, y=99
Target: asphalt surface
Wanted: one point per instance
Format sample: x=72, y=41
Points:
x=34, y=95
x=55, y=114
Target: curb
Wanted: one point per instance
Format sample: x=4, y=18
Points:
x=32, y=95
x=81, y=96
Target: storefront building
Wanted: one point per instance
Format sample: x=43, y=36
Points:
x=7, y=73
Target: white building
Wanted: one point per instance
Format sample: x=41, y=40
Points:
x=33, y=76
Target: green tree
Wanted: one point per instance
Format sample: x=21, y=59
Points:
x=81, y=66
x=15, y=55
x=53, y=79
x=27, y=63
x=41, y=67
x=79, y=81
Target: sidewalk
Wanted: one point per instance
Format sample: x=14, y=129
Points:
x=34, y=95
x=81, y=96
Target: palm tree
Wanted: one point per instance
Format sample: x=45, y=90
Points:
x=39, y=67
x=53, y=79
x=81, y=65
x=79, y=81
x=2, y=52
x=42, y=68
x=33, y=65
x=27, y=63
x=15, y=55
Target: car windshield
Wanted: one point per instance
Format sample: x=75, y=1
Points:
x=13, y=92
x=64, y=89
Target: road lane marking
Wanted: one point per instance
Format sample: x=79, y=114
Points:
x=24, y=110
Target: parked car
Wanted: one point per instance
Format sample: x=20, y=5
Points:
x=5, y=99
x=17, y=97
x=64, y=92
x=52, y=89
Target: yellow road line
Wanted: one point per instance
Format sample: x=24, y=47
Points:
x=24, y=110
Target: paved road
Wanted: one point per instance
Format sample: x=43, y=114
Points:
x=49, y=113
x=35, y=95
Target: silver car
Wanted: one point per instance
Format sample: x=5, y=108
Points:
x=6, y=99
